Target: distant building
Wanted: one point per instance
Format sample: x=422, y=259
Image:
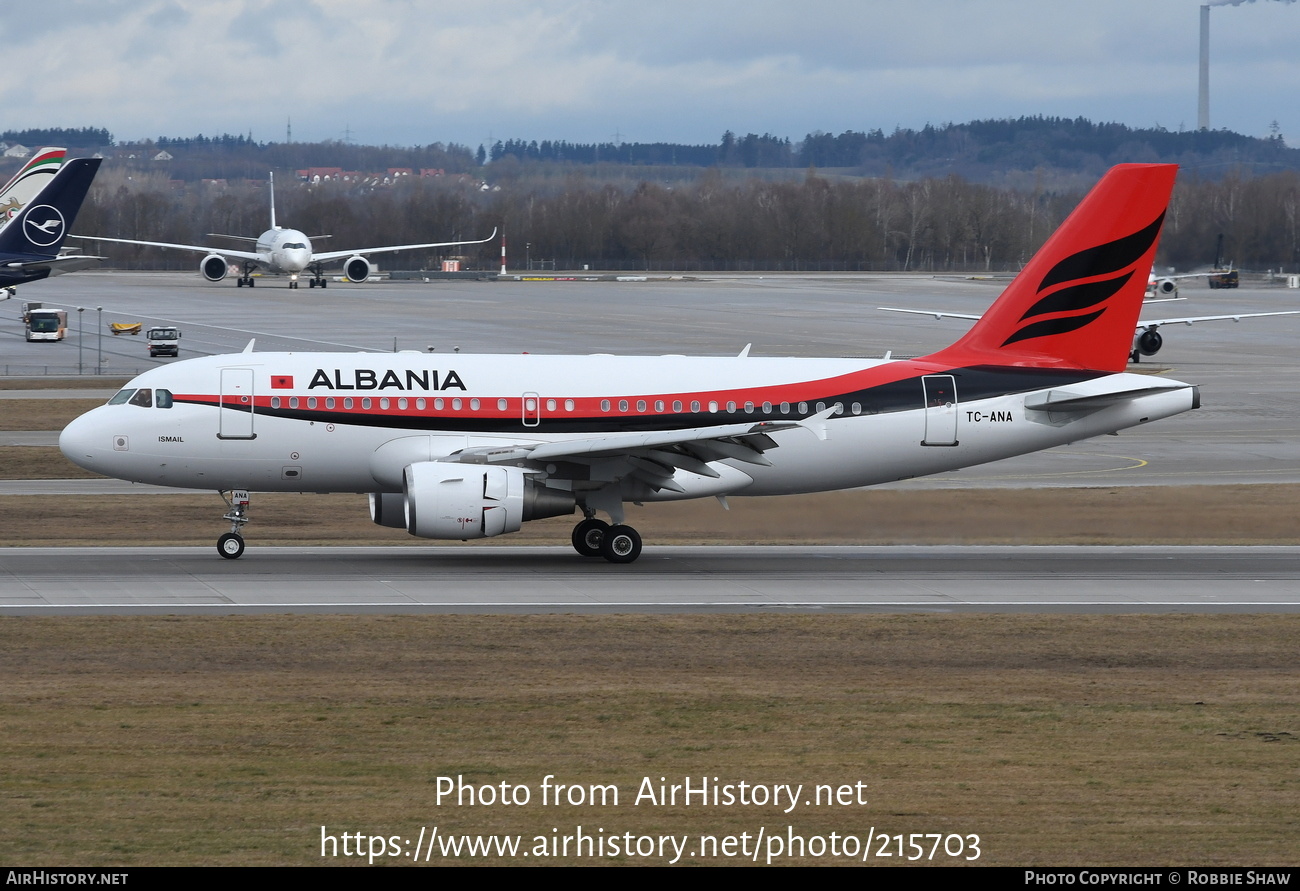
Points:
x=320, y=174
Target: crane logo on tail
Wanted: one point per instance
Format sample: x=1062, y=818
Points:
x=44, y=225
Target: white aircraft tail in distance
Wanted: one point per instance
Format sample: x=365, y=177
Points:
x=289, y=252
x=473, y=446
x=28, y=182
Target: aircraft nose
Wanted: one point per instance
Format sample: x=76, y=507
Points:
x=85, y=441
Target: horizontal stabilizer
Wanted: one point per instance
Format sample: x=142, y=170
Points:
x=1065, y=401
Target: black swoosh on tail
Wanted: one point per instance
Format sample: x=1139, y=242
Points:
x=1104, y=259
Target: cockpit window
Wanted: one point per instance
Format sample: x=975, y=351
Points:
x=162, y=398
x=120, y=397
x=143, y=398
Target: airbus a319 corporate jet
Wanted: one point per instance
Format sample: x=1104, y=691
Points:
x=465, y=447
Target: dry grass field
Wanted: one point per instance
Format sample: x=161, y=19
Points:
x=1056, y=739
x=1157, y=515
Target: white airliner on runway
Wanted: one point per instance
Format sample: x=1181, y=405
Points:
x=284, y=252
x=1147, y=339
x=461, y=447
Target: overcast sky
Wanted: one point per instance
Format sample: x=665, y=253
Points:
x=412, y=72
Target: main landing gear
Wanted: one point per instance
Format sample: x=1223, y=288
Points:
x=231, y=545
x=246, y=278
x=317, y=279
x=596, y=538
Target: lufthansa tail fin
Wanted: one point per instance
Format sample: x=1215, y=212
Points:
x=1076, y=303
x=41, y=226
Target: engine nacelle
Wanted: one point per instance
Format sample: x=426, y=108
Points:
x=214, y=267
x=1149, y=342
x=1166, y=286
x=462, y=501
x=357, y=269
x=388, y=509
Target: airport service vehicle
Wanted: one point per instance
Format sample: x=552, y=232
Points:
x=164, y=341
x=46, y=324
x=1227, y=279
x=465, y=447
x=284, y=252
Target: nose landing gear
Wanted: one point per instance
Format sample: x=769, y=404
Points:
x=231, y=545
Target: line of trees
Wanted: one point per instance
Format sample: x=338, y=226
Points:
x=1002, y=152
x=982, y=151
x=942, y=224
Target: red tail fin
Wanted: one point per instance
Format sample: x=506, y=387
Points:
x=1076, y=303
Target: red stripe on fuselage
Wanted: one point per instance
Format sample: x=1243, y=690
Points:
x=590, y=406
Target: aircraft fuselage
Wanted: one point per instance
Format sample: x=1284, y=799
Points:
x=352, y=422
x=284, y=251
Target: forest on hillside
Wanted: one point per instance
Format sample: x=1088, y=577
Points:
x=1048, y=150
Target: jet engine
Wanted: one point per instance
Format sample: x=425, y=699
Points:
x=1166, y=286
x=214, y=267
x=388, y=509
x=357, y=269
x=462, y=501
x=1149, y=342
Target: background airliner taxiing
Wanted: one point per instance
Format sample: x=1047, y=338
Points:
x=461, y=447
x=284, y=252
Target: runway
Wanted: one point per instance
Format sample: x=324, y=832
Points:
x=492, y=579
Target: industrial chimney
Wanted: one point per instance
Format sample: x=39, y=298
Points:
x=1203, y=106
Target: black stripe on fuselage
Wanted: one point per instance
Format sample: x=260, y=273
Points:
x=975, y=383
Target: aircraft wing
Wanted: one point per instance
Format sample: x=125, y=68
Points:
x=1142, y=325
x=930, y=312
x=1152, y=324
x=198, y=248
x=340, y=255
x=52, y=265
x=655, y=456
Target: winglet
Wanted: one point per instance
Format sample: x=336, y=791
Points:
x=1076, y=302
x=249, y=348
